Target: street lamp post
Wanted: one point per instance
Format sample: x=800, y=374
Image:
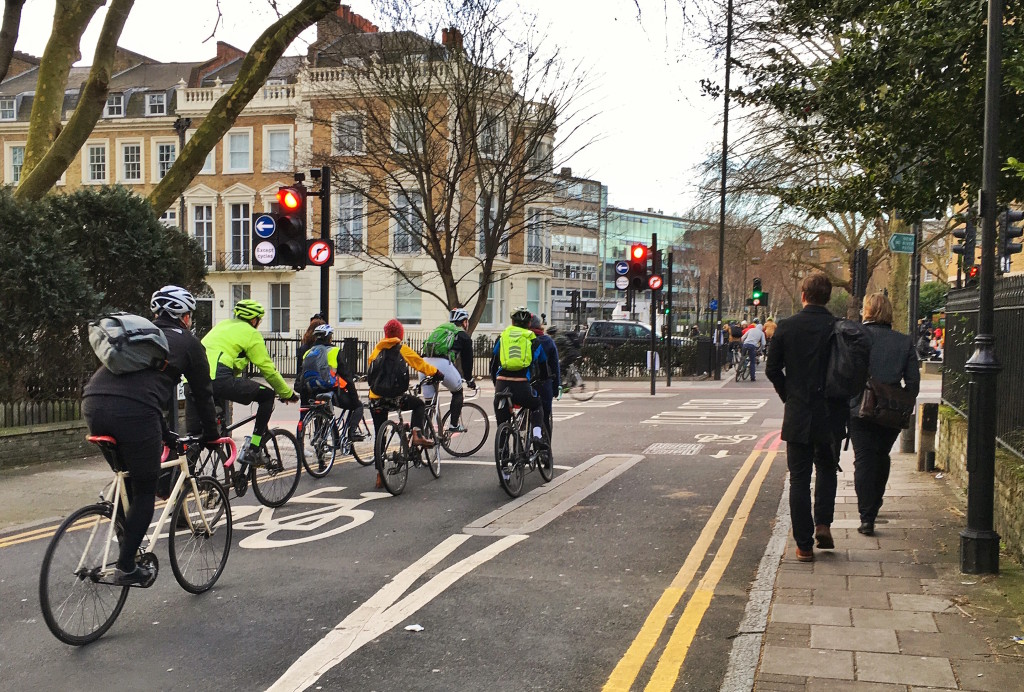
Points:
x=725, y=157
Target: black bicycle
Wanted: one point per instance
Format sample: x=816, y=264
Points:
x=274, y=474
x=514, y=450
x=325, y=435
x=473, y=421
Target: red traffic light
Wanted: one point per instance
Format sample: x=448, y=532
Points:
x=638, y=253
x=654, y=282
x=972, y=272
x=289, y=198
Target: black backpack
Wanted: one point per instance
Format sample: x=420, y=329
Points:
x=388, y=374
x=849, y=360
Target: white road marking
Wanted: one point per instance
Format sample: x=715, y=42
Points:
x=721, y=454
x=383, y=611
x=673, y=448
x=699, y=417
x=726, y=404
x=709, y=438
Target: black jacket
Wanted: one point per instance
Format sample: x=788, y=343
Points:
x=463, y=346
x=796, y=367
x=893, y=360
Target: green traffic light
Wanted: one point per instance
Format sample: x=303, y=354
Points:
x=757, y=294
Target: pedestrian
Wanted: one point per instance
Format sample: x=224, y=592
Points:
x=812, y=424
x=894, y=362
x=694, y=331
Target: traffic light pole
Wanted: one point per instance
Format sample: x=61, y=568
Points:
x=725, y=158
x=668, y=323
x=654, y=318
x=979, y=543
x=325, y=235
x=915, y=283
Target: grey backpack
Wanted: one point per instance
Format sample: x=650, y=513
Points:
x=127, y=343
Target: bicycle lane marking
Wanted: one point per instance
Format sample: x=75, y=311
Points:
x=625, y=672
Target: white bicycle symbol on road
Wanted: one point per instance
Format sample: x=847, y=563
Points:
x=712, y=438
x=270, y=529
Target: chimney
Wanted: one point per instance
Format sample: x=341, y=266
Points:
x=343, y=22
x=565, y=172
x=225, y=54
x=451, y=38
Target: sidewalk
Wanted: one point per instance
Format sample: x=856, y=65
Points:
x=892, y=611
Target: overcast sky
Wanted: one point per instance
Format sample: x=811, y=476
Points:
x=651, y=128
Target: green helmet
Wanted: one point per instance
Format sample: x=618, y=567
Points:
x=248, y=309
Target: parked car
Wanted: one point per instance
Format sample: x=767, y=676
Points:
x=611, y=333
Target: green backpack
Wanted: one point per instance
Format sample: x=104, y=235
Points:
x=439, y=343
x=516, y=348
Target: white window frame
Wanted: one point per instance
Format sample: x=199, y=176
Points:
x=495, y=300
x=398, y=118
x=226, y=142
x=122, y=167
x=193, y=226
x=410, y=218
x=481, y=239
x=534, y=237
x=349, y=222
x=11, y=109
x=170, y=216
x=239, y=292
x=492, y=135
x=286, y=166
x=87, y=177
x=350, y=301
x=155, y=145
x=278, y=311
x=536, y=305
x=114, y=101
x=243, y=253
x=9, y=148
x=404, y=297
x=151, y=104
x=336, y=148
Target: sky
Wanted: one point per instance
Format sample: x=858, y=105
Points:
x=650, y=131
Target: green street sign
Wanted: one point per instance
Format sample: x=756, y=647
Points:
x=902, y=242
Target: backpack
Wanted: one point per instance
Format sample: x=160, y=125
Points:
x=516, y=348
x=388, y=374
x=439, y=343
x=849, y=360
x=127, y=343
x=315, y=376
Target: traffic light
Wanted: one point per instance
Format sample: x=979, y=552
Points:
x=972, y=277
x=968, y=236
x=291, y=227
x=637, y=267
x=574, y=305
x=1007, y=232
x=756, y=293
x=654, y=279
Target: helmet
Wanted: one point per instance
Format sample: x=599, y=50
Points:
x=458, y=315
x=552, y=329
x=757, y=320
x=393, y=328
x=521, y=317
x=174, y=300
x=246, y=309
x=743, y=323
x=323, y=332
x=535, y=322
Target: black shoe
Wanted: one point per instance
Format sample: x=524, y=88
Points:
x=142, y=575
x=538, y=444
x=240, y=483
x=356, y=436
x=866, y=528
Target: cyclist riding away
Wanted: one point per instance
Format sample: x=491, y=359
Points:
x=130, y=407
x=397, y=358
x=567, y=345
x=549, y=377
x=230, y=347
x=447, y=344
x=517, y=355
x=322, y=371
x=753, y=341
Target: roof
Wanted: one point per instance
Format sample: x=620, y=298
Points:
x=287, y=68
x=153, y=76
x=26, y=81
x=382, y=44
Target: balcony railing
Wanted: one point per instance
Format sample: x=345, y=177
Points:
x=270, y=96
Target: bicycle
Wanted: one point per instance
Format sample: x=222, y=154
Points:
x=394, y=451
x=743, y=366
x=574, y=385
x=272, y=476
x=513, y=448
x=324, y=435
x=77, y=595
x=473, y=418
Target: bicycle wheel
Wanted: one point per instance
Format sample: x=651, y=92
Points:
x=432, y=456
x=478, y=426
x=362, y=451
x=200, y=535
x=319, y=442
x=78, y=599
x=209, y=462
x=546, y=458
x=507, y=457
x=276, y=480
x=392, y=452
x=578, y=388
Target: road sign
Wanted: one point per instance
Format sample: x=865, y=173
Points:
x=622, y=267
x=712, y=305
x=622, y=282
x=319, y=253
x=264, y=252
x=265, y=226
x=902, y=243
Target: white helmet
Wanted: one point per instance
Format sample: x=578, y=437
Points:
x=323, y=332
x=174, y=300
x=458, y=315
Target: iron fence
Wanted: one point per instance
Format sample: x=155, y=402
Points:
x=961, y=328
x=16, y=414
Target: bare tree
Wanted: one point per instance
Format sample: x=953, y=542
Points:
x=9, y=33
x=448, y=142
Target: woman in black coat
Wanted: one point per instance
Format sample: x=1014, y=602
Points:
x=893, y=361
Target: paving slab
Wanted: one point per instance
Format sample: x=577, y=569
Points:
x=926, y=671
x=820, y=685
x=852, y=599
x=920, y=603
x=892, y=619
x=941, y=644
x=885, y=584
x=811, y=615
x=825, y=664
x=846, y=567
x=809, y=580
x=854, y=639
x=989, y=676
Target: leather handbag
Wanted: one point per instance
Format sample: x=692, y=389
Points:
x=887, y=405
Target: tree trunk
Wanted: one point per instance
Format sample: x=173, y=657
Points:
x=89, y=109
x=255, y=68
x=69, y=22
x=9, y=33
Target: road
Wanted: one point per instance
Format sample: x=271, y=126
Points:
x=629, y=570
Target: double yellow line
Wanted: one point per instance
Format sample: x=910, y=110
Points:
x=674, y=654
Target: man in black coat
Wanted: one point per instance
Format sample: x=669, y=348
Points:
x=811, y=425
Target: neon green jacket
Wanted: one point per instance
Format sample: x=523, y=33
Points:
x=235, y=343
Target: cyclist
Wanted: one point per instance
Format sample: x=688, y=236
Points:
x=230, y=347
x=567, y=345
x=517, y=355
x=753, y=341
x=447, y=344
x=341, y=383
x=394, y=332
x=130, y=407
x=549, y=377
x=306, y=344
x=735, y=341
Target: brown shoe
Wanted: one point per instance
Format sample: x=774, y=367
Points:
x=420, y=441
x=823, y=534
x=805, y=555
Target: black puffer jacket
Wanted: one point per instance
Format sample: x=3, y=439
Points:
x=893, y=360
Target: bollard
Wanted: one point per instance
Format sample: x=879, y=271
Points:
x=907, y=437
x=929, y=424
